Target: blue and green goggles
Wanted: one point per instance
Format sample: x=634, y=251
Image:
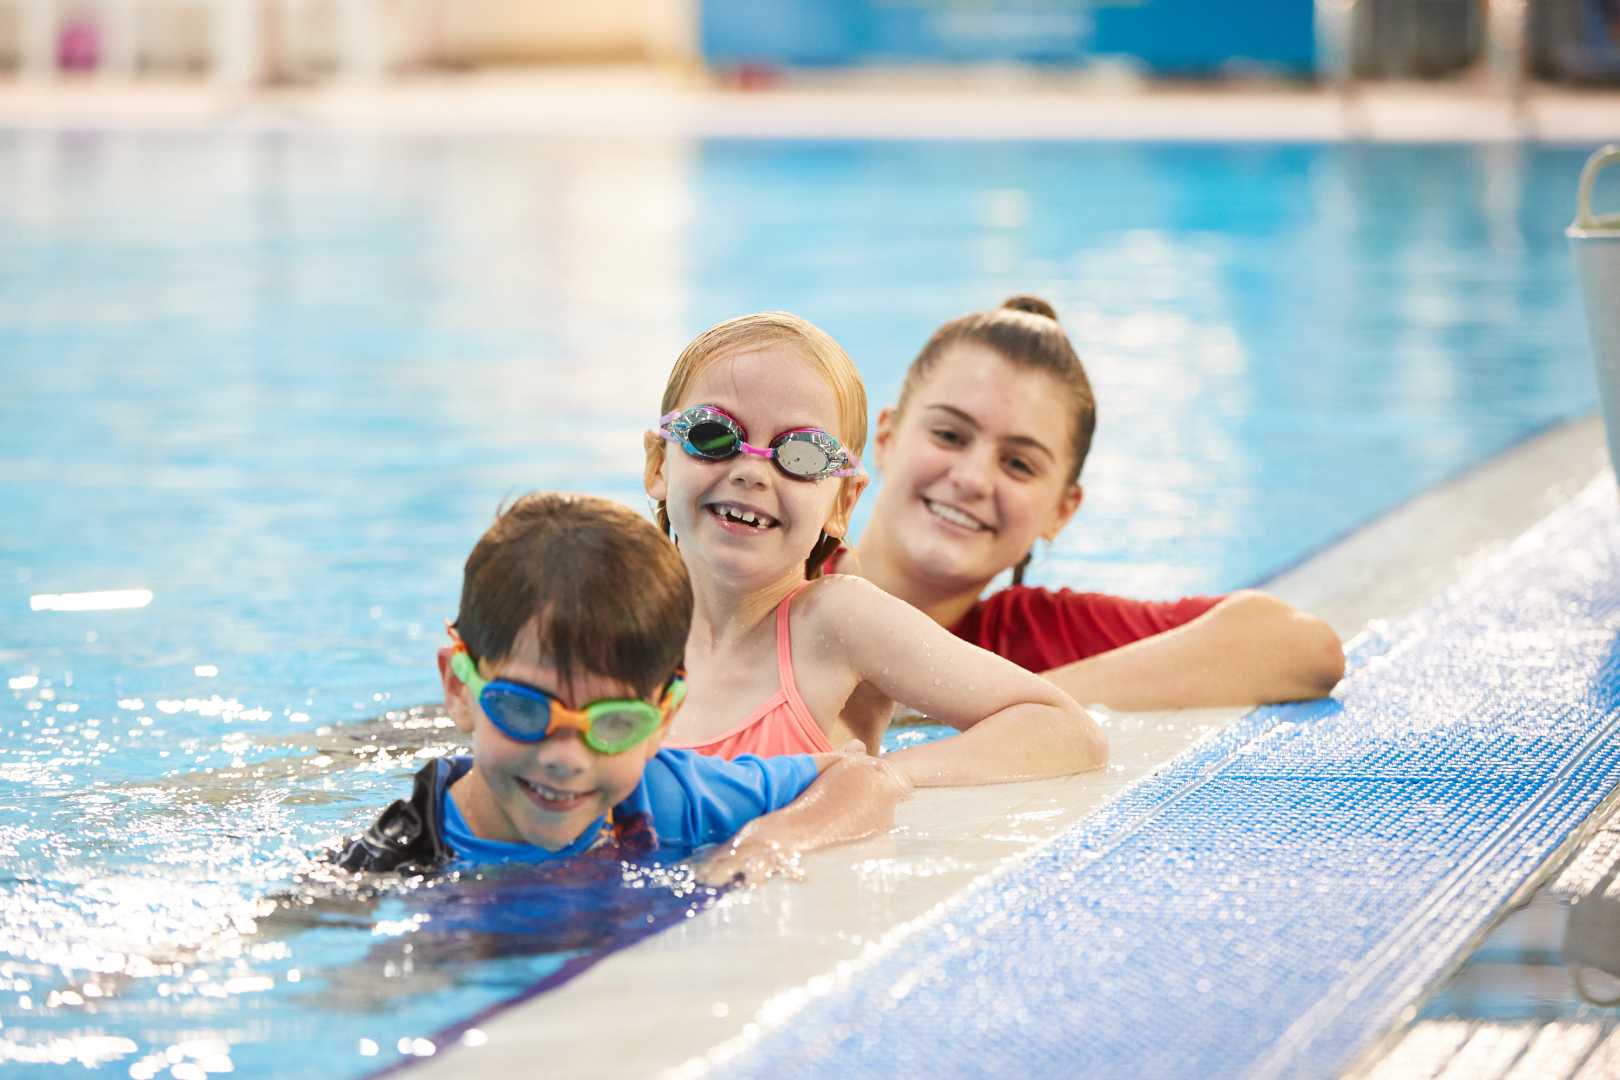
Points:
x=528, y=714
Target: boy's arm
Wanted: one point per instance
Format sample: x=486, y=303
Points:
x=1249, y=648
x=854, y=797
x=1016, y=725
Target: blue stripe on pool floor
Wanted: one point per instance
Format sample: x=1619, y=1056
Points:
x=1269, y=902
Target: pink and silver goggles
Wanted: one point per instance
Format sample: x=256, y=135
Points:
x=710, y=433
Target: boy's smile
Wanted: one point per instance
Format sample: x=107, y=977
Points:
x=550, y=799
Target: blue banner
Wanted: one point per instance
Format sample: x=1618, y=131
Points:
x=1170, y=37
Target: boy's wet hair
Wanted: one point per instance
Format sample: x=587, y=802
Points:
x=610, y=594
x=750, y=332
x=1023, y=331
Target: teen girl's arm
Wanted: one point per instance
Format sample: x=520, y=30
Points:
x=1249, y=648
x=1015, y=725
x=853, y=798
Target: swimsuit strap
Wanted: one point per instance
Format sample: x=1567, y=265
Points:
x=790, y=726
x=784, y=655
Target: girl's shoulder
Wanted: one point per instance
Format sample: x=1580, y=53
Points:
x=836, y=588
x=836, y=600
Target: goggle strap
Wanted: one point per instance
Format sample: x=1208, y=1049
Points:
x=462, y=664
x=677, y=690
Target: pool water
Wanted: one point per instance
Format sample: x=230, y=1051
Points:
x=282, y=381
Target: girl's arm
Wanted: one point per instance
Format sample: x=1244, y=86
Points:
x=1248, y=648
x=854, y=797
x=1015, y=724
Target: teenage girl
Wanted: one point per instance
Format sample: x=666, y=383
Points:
x=754, y=469
x=981, y=456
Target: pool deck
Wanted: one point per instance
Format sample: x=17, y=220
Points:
x=653, y=102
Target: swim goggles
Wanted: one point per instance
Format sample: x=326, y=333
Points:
x=710, y=433
x=528, y=714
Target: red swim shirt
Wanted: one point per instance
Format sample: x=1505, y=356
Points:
x=1040, y=629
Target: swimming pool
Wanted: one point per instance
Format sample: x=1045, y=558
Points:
x=281, y=381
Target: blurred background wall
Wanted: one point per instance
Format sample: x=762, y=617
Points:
x=308, y=37
x=1573, y=40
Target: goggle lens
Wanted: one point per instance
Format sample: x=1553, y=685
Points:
x=524, y=718
x=615, y=728
x=801, y=457
x=713, y=439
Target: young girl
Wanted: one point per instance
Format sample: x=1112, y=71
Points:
x=981, y=456
x=755, y=469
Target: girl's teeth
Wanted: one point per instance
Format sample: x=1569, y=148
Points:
x=745, y=517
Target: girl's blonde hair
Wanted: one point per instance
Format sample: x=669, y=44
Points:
x=751, y=332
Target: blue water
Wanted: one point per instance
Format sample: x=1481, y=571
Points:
x=282, y=381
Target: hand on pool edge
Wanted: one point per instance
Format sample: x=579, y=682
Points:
x=748, y=864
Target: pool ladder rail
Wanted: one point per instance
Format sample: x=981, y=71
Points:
x=1594, y=241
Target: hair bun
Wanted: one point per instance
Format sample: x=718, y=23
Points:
x=1032, y=304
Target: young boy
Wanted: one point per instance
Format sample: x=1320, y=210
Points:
x=574, y=613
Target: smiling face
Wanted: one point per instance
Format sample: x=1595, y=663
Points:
x=545, y=793
x=976, y=468
x=741, y=519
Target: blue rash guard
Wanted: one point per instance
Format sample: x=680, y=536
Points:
x=687, y=799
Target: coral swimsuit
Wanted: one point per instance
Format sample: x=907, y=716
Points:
x=783, y=725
